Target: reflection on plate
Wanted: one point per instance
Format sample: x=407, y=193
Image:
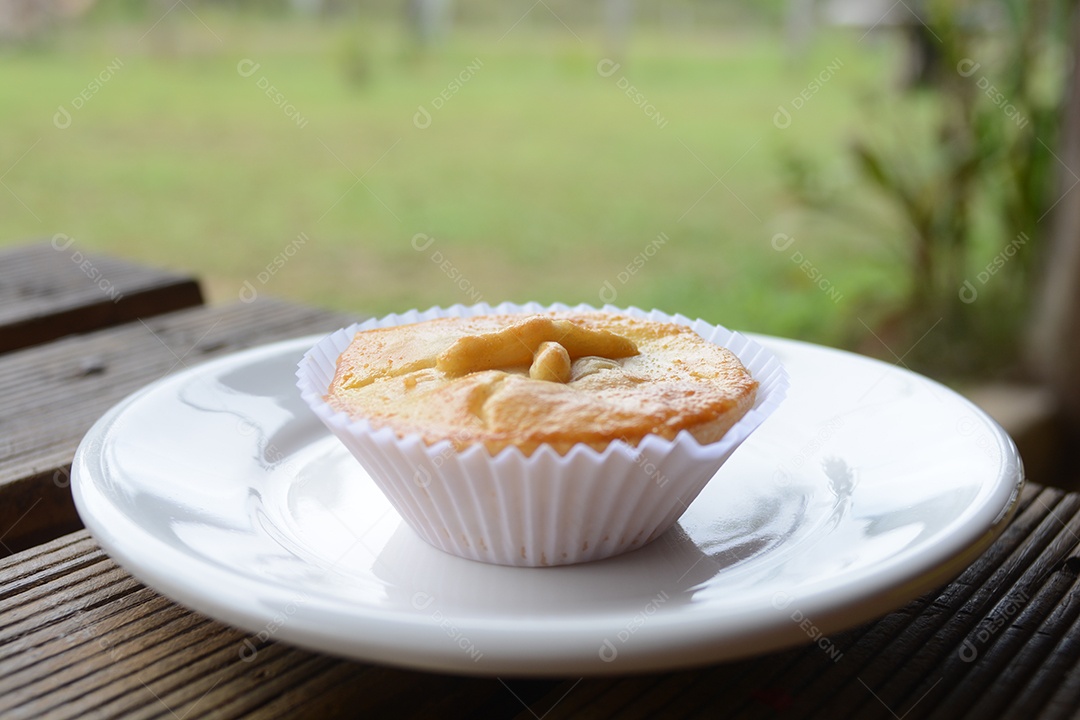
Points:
x=869, y=486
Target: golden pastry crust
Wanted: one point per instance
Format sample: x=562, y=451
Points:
x=558, y=378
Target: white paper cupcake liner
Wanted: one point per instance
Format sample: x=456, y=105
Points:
x=545, y=509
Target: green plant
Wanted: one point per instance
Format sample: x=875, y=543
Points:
x=975, y=202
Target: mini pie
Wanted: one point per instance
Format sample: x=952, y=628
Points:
x=556, y=378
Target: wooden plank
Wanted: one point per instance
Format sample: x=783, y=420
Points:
x=53, y=393
x=1002, y=635
x=907, y=673
x=127, y=652
x=80, y=638
x=53, y=289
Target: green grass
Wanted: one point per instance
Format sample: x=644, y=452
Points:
x=539, y=179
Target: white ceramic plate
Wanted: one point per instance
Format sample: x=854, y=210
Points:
x=869, y=486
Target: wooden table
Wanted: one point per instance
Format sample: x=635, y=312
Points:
x=80, y=638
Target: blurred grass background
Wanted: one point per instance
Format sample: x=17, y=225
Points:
x=540, y=179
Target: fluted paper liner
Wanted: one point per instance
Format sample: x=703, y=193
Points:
x=545, y=509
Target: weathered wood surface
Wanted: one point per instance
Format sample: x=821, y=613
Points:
x=1001, y=641
x=53, y=393
x=81, y=638
x=53, y=289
